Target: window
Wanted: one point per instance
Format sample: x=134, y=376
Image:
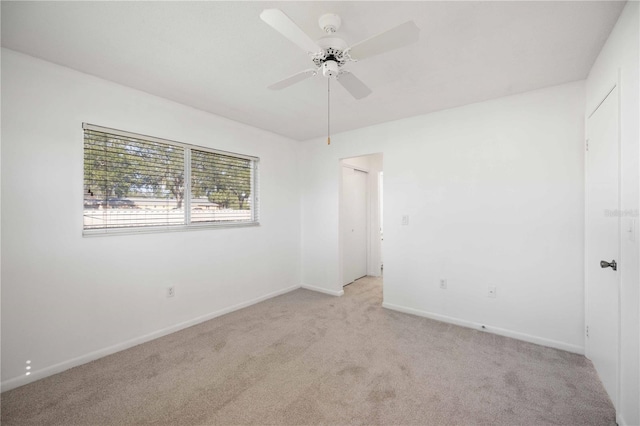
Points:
x=135, y=183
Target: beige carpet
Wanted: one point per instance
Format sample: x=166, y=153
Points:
x=308, y=358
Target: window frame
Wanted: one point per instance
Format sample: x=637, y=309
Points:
x=188, y=225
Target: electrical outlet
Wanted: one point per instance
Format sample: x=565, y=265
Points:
x=405, y=220
x=443, y=283
x=171, y=291
x=492, y=291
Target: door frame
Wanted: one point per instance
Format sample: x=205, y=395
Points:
x=613, y=87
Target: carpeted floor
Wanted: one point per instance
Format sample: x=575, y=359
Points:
x=308, y=358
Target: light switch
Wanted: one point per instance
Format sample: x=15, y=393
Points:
x=405, y=220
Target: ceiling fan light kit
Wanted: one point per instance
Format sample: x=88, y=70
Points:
x=331, y=53
x=330, y=69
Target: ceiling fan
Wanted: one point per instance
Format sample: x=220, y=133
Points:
x=331, y=53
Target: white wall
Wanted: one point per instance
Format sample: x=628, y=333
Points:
x=494, y=192
x=67, y=299
x=620, y=53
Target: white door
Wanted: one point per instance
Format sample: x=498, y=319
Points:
x=354, y=224
x=602, y=241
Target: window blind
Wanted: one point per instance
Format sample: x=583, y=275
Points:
x=135, y=182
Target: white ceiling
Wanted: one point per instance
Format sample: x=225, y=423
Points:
x=220, y=57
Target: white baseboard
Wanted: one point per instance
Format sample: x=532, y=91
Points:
x=91, y=356
x=323, y=290
x=620, y=420
x=490, y=329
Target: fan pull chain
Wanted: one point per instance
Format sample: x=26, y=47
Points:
x=329, y=111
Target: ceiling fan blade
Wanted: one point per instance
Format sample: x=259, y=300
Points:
x=354, y=85
x=400, y=36
x=296, y=78
x=285, y=26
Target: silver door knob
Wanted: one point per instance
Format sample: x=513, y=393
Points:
x=613, y=265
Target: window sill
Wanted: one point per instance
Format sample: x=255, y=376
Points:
x=162, y=229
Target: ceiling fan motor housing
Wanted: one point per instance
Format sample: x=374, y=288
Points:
x=330, y=69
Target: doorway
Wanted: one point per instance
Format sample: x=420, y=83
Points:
x=602, y=237
x=360, y=217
